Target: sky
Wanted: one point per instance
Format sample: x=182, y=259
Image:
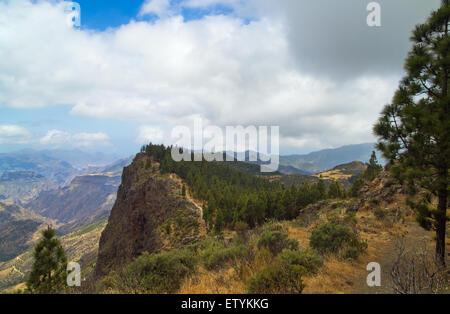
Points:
x=136, y=69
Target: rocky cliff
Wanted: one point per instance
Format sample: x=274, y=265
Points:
x=146, y=201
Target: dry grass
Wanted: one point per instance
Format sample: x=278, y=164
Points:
x=224, y=281
x=300, y=234
x=337, y=276
x=232, y=279
x=333, y=175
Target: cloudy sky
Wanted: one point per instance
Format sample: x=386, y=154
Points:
x=136, y=69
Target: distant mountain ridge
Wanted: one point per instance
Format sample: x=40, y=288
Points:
x=88, y=197
x=327, y=159
x=85, y=196
x=30, y=201
x=54, y=170
x=315, y=162
x=76, y=158
x=27, y=173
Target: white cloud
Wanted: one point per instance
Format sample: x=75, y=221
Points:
x=160, y=8
x=167, y=72
x=210, y=3
x=14, y=134
x=60, y=138
x=149, y=134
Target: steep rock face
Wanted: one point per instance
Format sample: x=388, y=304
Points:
x=145, y=201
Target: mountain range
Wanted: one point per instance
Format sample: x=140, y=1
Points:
x=327, y=159
x=31, y=199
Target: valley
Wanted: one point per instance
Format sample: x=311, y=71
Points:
x=39, y=191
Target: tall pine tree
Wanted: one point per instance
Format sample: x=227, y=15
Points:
x=373, y=168
x=49, y=271
x=414, y=130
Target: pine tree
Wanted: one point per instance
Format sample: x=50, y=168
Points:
x=49, y=271
x=321, y=190
x=414, y=130
x=334, y=190
x=304, y=196
x=372, y=171
x=373, y=168
x=357, y=186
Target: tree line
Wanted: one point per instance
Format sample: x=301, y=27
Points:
x=235, y=198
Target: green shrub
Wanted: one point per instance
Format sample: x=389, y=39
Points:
x=208, y=243
x=215, y=257
x=332, y=238
x=157, y=273
x=278, y=279
x=276, y=241
x=354, y=250
x=308, y=259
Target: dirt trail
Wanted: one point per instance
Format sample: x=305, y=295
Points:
x=416, y=236
x=202, y=228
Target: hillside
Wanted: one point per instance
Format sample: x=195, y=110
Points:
x=18, y=229
x=166, y=210
x=22, y=186
x=345, y=174
x=379, y=216
x=152, y=220
x=150, y=197
x=88, y=198
x=85, y=196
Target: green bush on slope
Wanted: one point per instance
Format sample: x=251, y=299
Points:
x=157, y=273
x=333, y=238
x=276, y=241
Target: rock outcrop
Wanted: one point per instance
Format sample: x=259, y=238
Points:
x=146, y=200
